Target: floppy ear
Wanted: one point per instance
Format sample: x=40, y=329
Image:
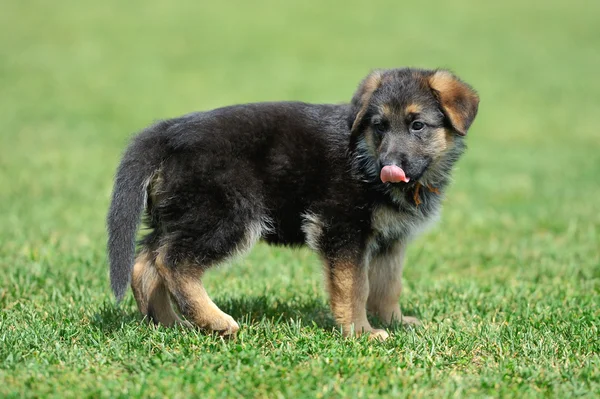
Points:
x=458, y=100
x=360, y=101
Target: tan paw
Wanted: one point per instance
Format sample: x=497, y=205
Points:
x=225, y=325
x=221, y=324
x=373, y=333
x=380, y=335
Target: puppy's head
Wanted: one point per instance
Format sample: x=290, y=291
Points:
x=405, y=120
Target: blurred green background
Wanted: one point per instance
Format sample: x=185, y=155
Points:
x=507, y=283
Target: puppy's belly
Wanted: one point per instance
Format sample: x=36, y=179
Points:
x=285, y=231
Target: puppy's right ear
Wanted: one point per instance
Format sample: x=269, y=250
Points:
x=360, y=101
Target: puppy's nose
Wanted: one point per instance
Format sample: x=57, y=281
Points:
x=395, y=159
x=403, y=161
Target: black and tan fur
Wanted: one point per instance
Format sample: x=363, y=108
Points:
x=214, y=183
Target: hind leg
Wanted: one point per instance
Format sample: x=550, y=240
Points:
x=185, y=286
x=203, y=220
x=150, y=293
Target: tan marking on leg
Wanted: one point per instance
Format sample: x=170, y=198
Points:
x=385, y=286
x=139, y=282
x=348, y=288
x=150, y=292
x=185, y=286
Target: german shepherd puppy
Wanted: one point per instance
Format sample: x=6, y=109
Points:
x=354, y=182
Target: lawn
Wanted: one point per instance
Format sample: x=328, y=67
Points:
x=507, y=284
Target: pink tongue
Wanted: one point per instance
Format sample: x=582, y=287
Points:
x=393, y=174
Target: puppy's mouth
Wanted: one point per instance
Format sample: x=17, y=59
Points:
x=393, y=174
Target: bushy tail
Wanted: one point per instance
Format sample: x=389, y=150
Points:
x=140, y=161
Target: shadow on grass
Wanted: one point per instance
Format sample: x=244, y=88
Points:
x=111, y=317
x=307, y=311
x=248, y=310
x=254, y=309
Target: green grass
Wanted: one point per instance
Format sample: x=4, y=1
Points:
x=507, y=284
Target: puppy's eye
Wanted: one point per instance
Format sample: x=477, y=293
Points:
x=381, y=127
x=417, y=126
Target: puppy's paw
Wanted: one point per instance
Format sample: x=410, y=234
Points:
x=379, y=335
x=224, y=326
x=221, y=324
x=372, y=333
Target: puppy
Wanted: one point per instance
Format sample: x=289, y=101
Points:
x=354, y=182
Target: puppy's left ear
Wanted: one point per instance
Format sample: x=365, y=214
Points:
x=458, y=100
x=360, y=100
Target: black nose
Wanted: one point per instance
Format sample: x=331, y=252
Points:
x=398, y=159
x=403, y=161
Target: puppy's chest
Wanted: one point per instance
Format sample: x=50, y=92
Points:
x=398, y=223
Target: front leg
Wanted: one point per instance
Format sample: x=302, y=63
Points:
x=348, y=285
x=385, y=285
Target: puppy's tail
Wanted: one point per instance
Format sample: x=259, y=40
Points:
x=140, y=161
